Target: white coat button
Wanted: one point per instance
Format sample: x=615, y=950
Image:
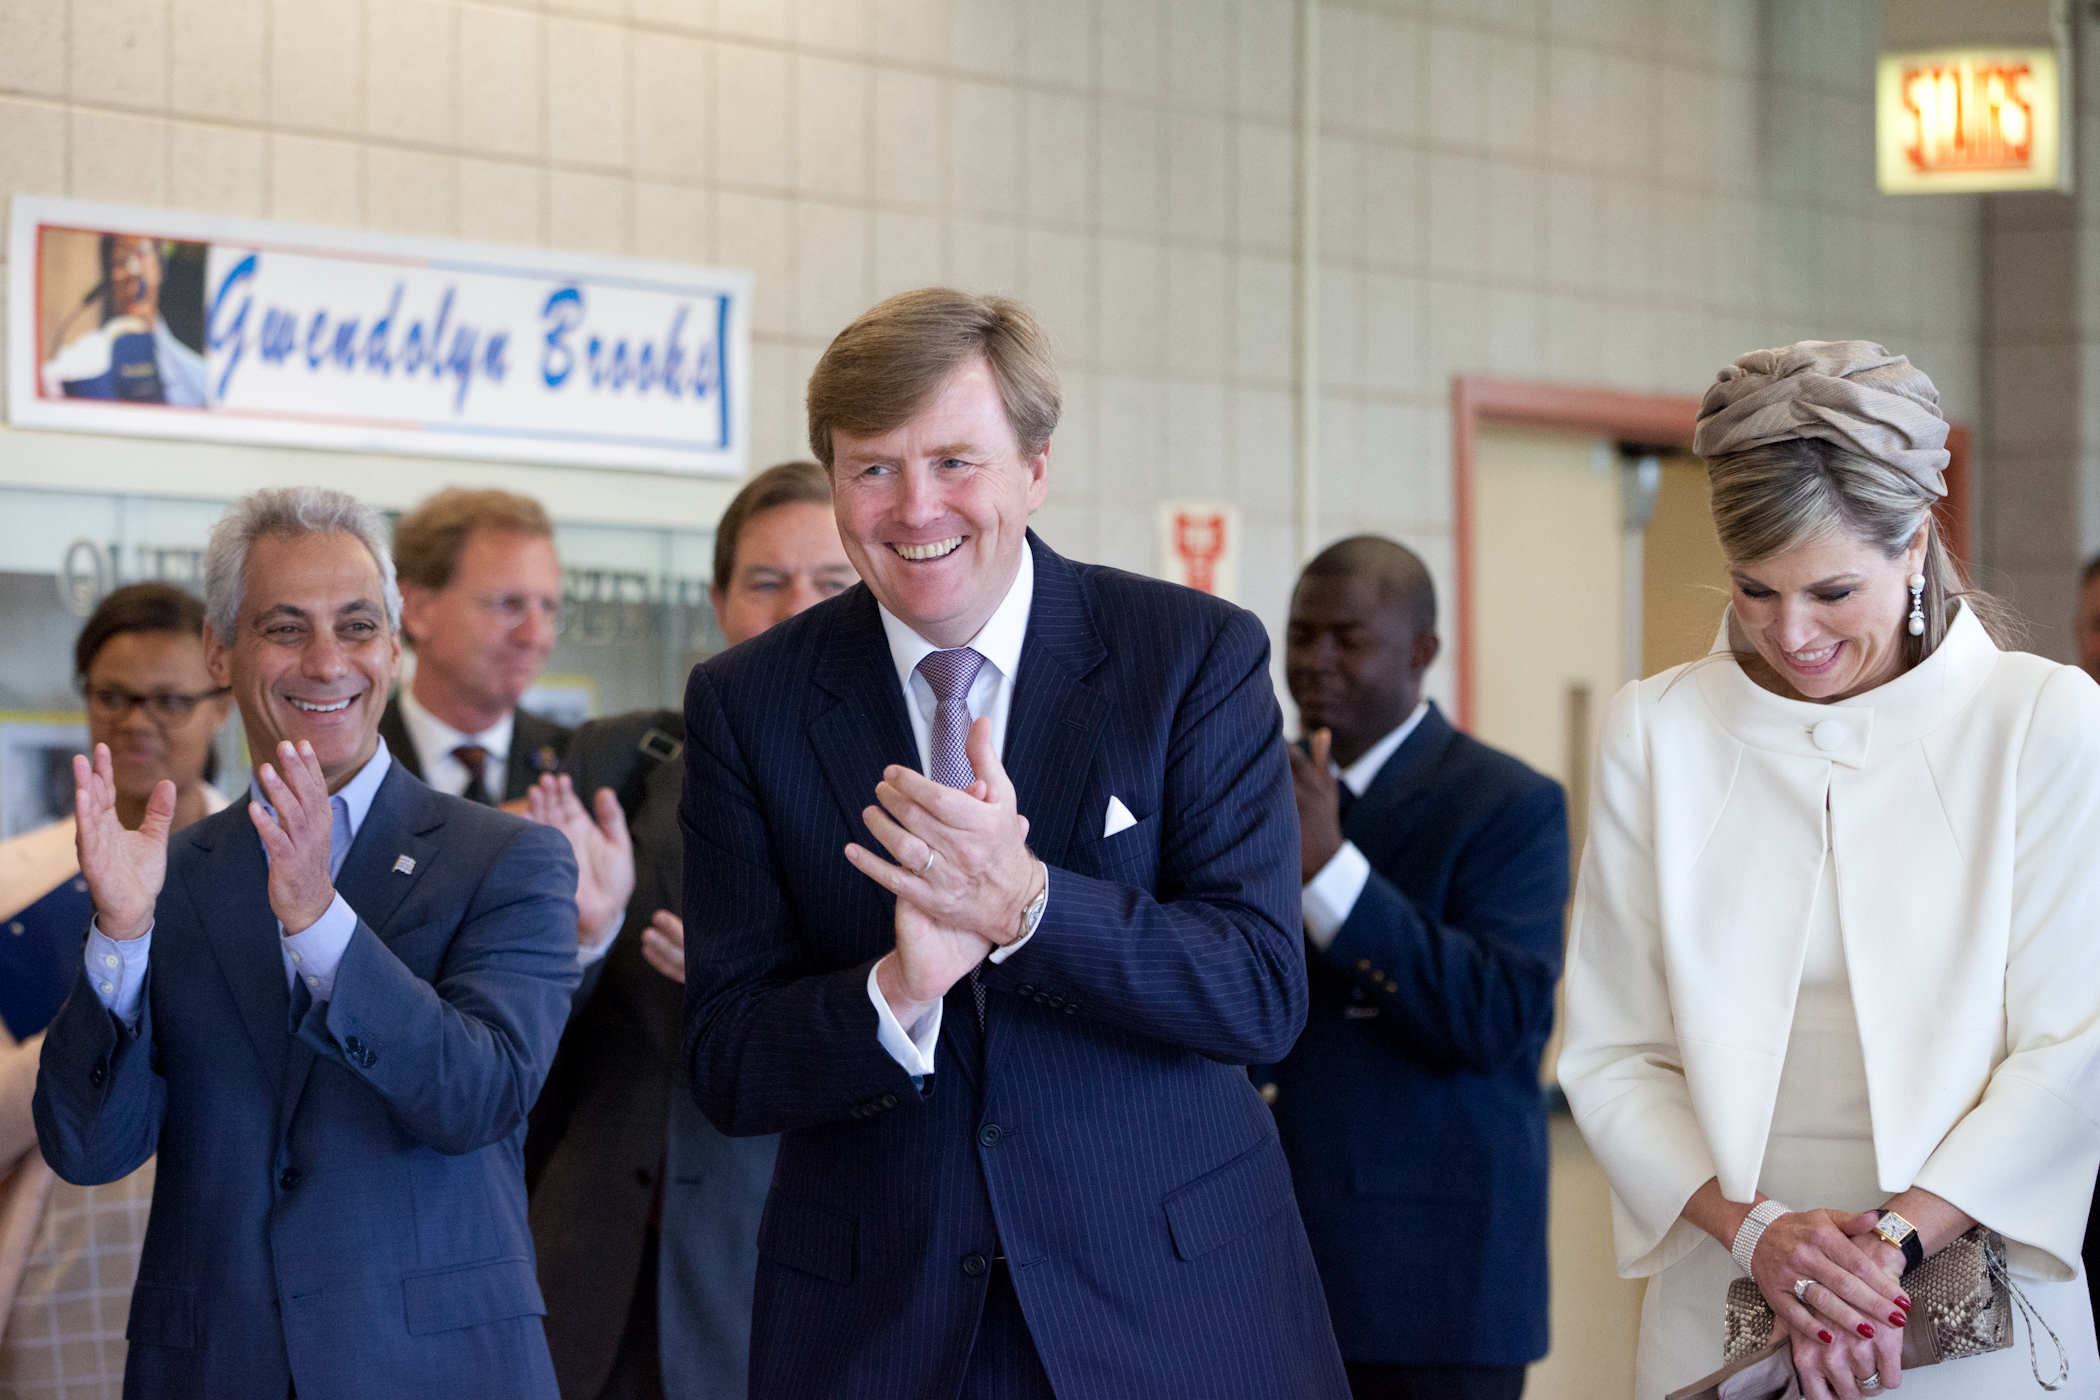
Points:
x=1828, y=735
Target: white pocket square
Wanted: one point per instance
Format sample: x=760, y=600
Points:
x=1119, y=818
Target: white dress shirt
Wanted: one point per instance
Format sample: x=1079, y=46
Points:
x=991, y=694
x=435, y=740
x=118, y=969
x=1329, y=896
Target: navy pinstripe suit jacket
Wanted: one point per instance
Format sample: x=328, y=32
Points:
x=1101, y=1132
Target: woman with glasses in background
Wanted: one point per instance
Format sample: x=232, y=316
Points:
x=68, y=1253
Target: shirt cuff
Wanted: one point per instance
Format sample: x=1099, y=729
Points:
x=913, y=1049
x=117, y=971
x=314, y=953
x=588, y=953
x=1329, y=896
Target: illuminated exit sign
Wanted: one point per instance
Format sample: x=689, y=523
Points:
x=1957, y=120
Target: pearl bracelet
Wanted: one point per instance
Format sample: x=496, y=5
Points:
x=1754, y=1225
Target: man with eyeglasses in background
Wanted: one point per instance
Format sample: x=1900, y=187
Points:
x=480, y=603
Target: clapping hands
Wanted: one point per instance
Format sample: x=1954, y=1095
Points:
x=298, y=837
x=963, y=878
x=124, y=869
x=604, y=853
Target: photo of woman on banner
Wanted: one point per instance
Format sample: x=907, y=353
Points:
x=114, y=339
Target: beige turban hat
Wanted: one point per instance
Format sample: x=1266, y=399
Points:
x=1849, y=392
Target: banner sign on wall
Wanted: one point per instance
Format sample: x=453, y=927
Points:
x=160, y=324
x=1199, y=545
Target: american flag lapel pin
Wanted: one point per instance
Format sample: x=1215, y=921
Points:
x=404, y=865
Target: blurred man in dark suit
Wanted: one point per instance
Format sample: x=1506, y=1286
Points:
x=328, y=1008
x=480, y=606
x=1435, y=873
x=1020, y=1153
x=646, y=1217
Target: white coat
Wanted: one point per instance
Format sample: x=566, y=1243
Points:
x=1962, y=803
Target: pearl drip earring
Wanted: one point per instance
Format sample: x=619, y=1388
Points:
x=1917, y=605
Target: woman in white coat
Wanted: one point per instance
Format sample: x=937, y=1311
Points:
x=1836, y=945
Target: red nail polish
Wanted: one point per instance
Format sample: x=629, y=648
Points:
x=1866, y=1329
x=1903, y=1303
x=1827, y=1338
x=1895, y=1319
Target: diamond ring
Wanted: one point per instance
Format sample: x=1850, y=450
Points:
x=1872, y=1382
x=1801, y=1289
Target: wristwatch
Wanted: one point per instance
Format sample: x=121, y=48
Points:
x=1903, y=1235
x=1033, y=914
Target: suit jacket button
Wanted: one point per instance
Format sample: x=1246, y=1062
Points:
x=1269, y=1092
x=1056, y=1003
x=990, y=1134
x=288, y=1178
x=889, y=1100
x=1071, y=1008
x=369, y=1059
x=354, y=1046
x=98, y=1073
x=973, y=1265
x=1026, y=989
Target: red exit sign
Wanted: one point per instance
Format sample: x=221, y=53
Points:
x=1965, y=120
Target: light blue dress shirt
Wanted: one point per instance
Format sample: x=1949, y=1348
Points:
x=118, y=969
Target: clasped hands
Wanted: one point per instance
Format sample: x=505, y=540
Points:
x=963, y=878
x=1848, y=1324
x=125, y=869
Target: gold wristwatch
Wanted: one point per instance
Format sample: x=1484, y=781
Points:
x=1903, y=1235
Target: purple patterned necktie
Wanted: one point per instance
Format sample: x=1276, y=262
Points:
x=951, y=674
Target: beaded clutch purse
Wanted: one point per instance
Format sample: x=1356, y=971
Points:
x=1963, y=1295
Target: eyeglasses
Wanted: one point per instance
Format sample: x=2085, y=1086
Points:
x=511, y=609
x=113, y=703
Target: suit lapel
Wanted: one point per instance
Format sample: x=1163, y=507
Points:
x=867, y=730
x=1376, y=822
x=229, y=890
x=1053, y=723
x=532, y=752
x=403, y=820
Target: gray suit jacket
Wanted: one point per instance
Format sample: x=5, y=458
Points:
x=617, y=1124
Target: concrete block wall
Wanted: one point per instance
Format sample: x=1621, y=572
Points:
x=1618, y=192
x=2041, y=357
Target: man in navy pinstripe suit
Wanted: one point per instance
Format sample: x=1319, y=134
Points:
x=991, y=887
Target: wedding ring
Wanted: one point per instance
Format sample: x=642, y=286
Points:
x=1872, y=1382
x=930, y=854
x=1801, y=1289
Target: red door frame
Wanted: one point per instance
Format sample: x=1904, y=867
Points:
x=1657, y=419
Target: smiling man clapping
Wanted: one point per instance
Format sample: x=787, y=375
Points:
x=990, y=888
x=328, y=1008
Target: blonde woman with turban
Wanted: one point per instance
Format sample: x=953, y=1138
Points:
x=1836, y=947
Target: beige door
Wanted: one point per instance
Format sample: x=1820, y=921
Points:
x=1684, y=579
x=1552, y=623
x=1549, y=610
